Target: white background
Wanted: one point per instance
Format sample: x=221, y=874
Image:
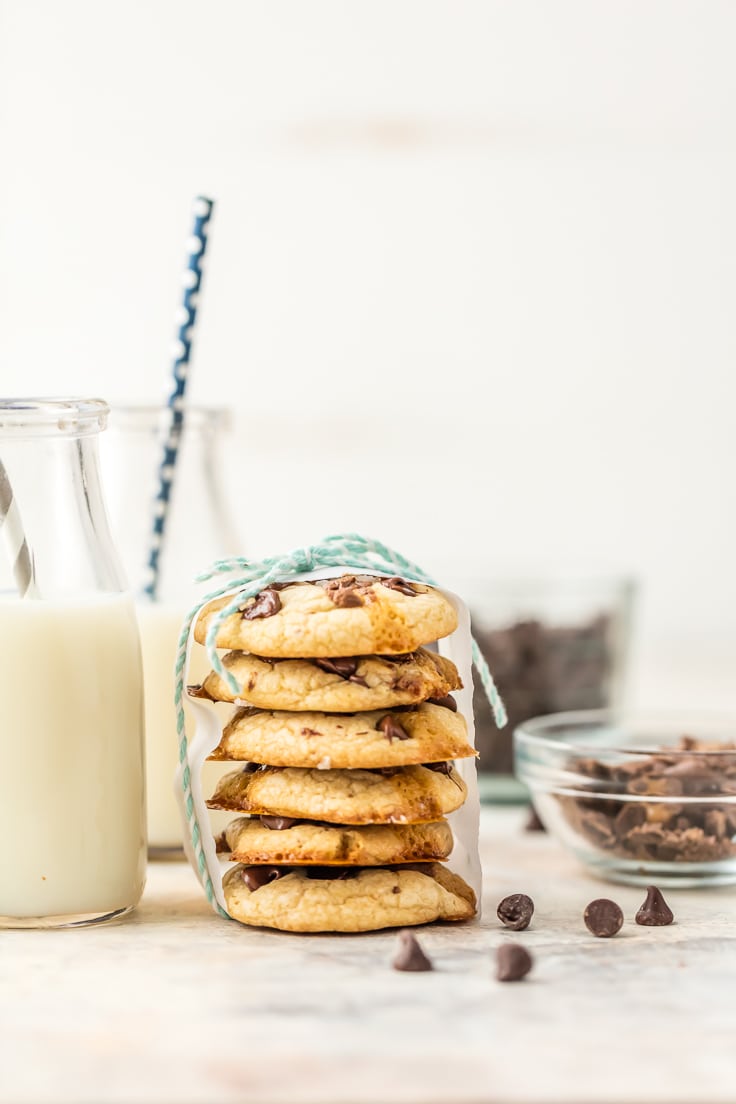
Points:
x=471, y=280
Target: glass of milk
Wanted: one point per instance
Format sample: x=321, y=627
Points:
x=72, y=819
x=198, y=531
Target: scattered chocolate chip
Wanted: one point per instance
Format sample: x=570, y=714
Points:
x=655, y=912
x=409, y=954
x=448, y=702
x=516, y=911
x=278, y=823
x=391, y=729
x=513, y=962
x=603, y=918
x=265, y=604
x=397, y=583
x=257, y=876
x=533, y=823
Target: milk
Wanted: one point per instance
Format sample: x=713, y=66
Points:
x=160, y=625
x=72, y=830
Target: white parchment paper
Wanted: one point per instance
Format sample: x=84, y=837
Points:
x=464, y=859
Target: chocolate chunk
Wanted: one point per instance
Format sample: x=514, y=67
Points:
x=347, y=590
x=198, y=691
x=516, y=911
x=513, y=962
x=397, y=583
x=344, y=667
x=257, y=876
x=441, y=768
x=409, y=954
x=448, y=702
x=655, y=912
x=533, y=823
x=266, y=604
x=251, y=768
x=391, y=729
x=278, y=823
x=603, y=918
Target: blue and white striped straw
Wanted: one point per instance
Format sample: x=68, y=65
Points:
x=14, y=538
x=191, y=282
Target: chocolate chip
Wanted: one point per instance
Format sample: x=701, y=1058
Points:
x=251, y=768
x=222, y=847
x=516, y=911
x=391, y=729
x=278, y=823
x=533, y=823
x=440, y=768
x=397, y=583
x=513, y=962
x=655, y=912
x=344, y=667
x=409, y=954
x=198, y=691
x=332, y=873
x=448, y=702
x=603, y=918
x=266, y=604
x=255, y=877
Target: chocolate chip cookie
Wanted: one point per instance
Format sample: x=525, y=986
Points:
x=348, y=616
x=381, y=738
x=333, y=685
x=273, y=839
x=402, y=795
x=348, y=899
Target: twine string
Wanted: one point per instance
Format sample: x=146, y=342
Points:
x=245, y=579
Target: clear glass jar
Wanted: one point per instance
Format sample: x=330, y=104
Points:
x=552, y=644
x=71, y=694
x=198, y=531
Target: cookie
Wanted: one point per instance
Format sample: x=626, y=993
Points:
x=327, y=741
x=284, y=840
x=312, y=899
x=334, y=685
x=406, y=795
x=348, y=616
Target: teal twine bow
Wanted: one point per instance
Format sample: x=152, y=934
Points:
x=341, y=550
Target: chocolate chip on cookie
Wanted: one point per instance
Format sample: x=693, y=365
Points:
x=265, y=604
x=392, y=730
x=397, y=583
x=409, y=954
x=255, y=877
x=448, y=702
x=345, y=667
x=278, y=823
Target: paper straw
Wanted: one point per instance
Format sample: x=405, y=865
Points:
x=14, y=538
x=191, y=282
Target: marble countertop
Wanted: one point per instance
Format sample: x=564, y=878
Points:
x=174, y=1004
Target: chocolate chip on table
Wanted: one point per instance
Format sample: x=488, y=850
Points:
x=391, y=729
x=409, y=954
x=278, y=823
x=655, y=912
x=448, y=702
x=513, y=962
x=255, y=877
x=266, y=604
x=533, y=823
x=516, y=911
x=603, y=918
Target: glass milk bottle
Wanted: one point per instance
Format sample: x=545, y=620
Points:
x=198, y=531
x=71, y=694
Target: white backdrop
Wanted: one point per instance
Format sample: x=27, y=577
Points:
x=471, y=277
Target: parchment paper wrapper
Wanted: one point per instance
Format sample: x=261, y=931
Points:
x=464, y=859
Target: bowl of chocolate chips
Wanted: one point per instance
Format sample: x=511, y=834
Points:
x=638, y=799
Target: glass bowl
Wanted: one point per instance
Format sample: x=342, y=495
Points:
x=637, y=799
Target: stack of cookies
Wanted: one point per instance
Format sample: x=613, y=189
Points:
x=346, y=732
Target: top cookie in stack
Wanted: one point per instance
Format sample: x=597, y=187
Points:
x=348, y=731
